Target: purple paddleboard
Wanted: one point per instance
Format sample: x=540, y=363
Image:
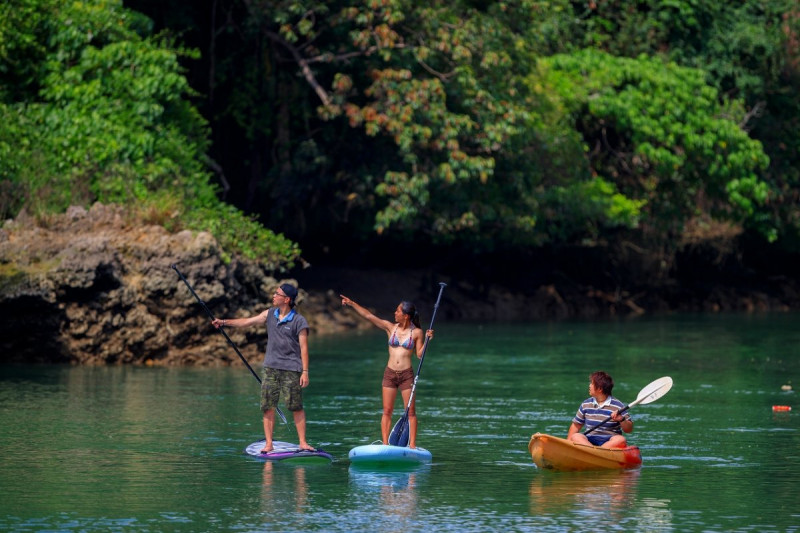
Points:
x=286, y=451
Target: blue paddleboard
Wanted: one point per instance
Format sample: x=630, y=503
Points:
x=387, y=454
x=286, y=451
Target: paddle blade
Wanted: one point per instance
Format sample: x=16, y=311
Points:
x=399, y=434
x=654, y=391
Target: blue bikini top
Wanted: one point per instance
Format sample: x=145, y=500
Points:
x=407, y=344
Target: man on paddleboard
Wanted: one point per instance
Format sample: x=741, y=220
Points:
x=595, y=410
x=285, y=362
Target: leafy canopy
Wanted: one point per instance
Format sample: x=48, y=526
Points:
x=99, y=111
x=483, y=138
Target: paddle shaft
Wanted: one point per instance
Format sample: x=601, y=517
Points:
x=224, y=334
x=400, y=429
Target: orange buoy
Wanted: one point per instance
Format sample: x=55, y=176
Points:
x=781, y=407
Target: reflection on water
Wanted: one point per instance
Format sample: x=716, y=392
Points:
x=274, y=494
x=394, y=491
x=603, y=497
x=608, y=493
x=653, y=514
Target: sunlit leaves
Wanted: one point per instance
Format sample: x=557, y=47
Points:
x=746, y=49
x=661, y=133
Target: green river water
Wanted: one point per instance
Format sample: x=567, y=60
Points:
x=160, y=449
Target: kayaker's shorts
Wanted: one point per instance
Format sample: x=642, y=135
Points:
x=599, y=440
x=281, y=384
x=398, y=379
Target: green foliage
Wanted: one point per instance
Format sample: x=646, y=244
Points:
x=584, y=210
x=484, y=124
x=434, y=82
x=113, y=122
x=23, y=46
x=472, y=136
x=660, y=133
x=235, y=231
x=747, y=49
x=121, y=106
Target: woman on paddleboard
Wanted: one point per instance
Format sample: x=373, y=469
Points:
x=404, y=338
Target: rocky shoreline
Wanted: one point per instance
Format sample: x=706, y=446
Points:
x=96, y=287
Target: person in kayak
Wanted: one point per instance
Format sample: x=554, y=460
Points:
x=405, y=338
x=594, y=410
x=285, y=361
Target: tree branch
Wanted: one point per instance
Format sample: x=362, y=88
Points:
x=754, y=112
x=303, y=63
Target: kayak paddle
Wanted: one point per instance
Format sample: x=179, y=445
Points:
x=650, y=393
x=221, y=330
x=399, y=434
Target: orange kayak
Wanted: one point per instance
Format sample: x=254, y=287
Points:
x=554, y=453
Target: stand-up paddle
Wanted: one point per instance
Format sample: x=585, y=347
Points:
x=399, y=434
x=224, y=334
x=650, y=393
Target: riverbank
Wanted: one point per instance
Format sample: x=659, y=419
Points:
x=97, y=287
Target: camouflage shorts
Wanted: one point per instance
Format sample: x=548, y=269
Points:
x=281, y=385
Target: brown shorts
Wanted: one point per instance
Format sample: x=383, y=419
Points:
x=398, y=379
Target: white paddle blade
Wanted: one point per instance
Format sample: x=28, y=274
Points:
x=654, y=391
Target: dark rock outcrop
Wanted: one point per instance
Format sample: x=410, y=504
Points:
x=95, y=287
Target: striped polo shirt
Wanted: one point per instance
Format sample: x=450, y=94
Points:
x=592, y=413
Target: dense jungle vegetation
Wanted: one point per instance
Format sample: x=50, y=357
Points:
x=477, y=126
